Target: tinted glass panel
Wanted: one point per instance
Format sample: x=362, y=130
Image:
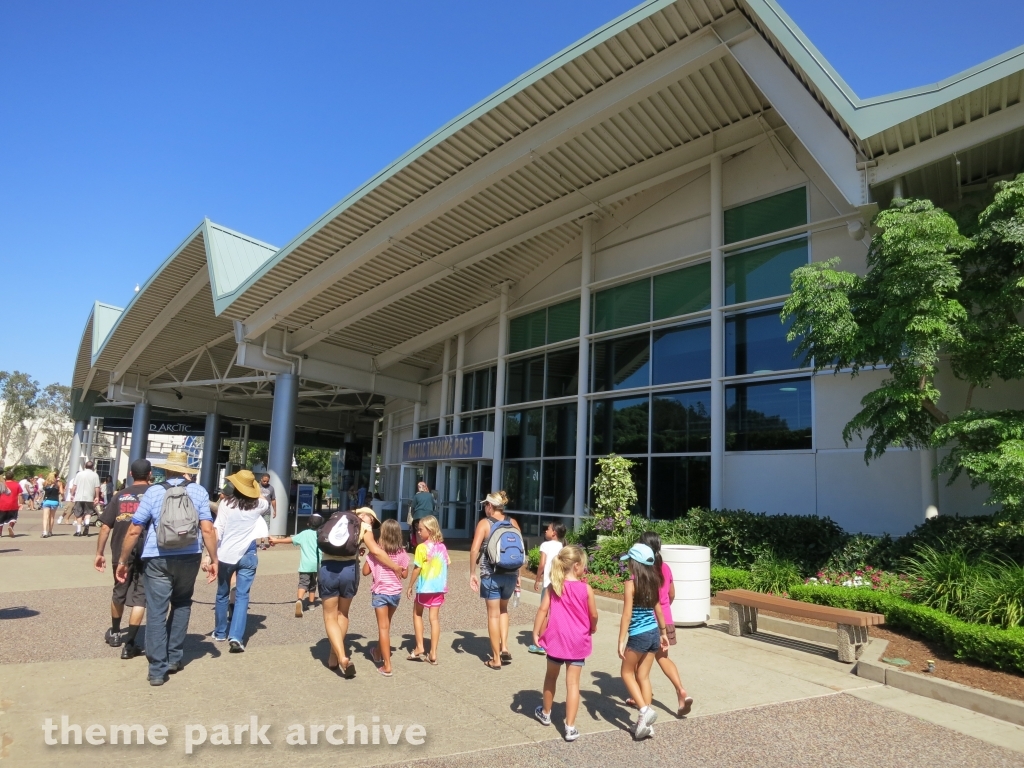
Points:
x=564, y=321
x=527, y=331
x=523, y=433
x=764, y=272
x=681, y=422
x=682, y=354
x=682, y=292
x=756, y=343
x=559, y=482
x=621, y=363
x=623, y=305
x=522, y=484
x=773, y=214
x=619, y=426
x=525, y=380
x=773, y=416
x=639, y=474
x=430, y=429
x=678, y=484
x=563, y=372
x=478, y=390
x=560, y=430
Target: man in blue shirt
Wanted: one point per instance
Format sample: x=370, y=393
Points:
x=170, y=575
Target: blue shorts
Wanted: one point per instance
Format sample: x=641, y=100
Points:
x=378, y=600
x=567, y=662
x=498, y=586
x=51, y=503
x=645, y=642
x=338, y=578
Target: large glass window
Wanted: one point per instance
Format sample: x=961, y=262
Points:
x=478, y=390
x=621, y=363
x=682, y=353
x=525, y=380
x=678, y=484
x=622, y=305
x=771, y=214
x=756, y=343
x=768, y=416
x=682, y=292
x=681, y=422
x=564, y=321
x=559, y=486
x=563, y=373
x=619, y=426
x=522, y=484
x=523, y=431
x=545, y=326
x=560, y=430
x=763, y=272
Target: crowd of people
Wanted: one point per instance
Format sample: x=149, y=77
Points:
x=162, y=536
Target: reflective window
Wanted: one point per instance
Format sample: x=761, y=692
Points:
x=564, y=321
x=682, y=292
x=768, y=416
x=682, y=353
x=771, y=214
x=622, y=305
x=523, y=433
x=429, y=428
x=559, y=486
x=678, y=484
x=681, y=422
x=563, y=373
x=560, y=430
x=478, y=390
x=527, y=331
x=525, y=380
x=621, y=363
x=756, y=343
x=522, y=484
x=619, y=426
x=763, y=272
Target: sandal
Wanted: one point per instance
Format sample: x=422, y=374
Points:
x=431, y=662
x=348, y=672
x=506, y=657
x=487, y=663
x=383, y=673
x=416, y=657
x=685, y=709
x=630, y=703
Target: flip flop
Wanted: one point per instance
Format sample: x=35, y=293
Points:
x=687, y=706
x=487, y=663
x=630, y=703
x=349, y=672
x=431, y=662
x=506, y=657
x=383, y=673
x=416, y=657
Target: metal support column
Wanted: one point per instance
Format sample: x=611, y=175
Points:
x=115, y=470
x=245, y=446
x=717, y=338
x=140, y=433
x=442, y=429
x=460, y=363
x=75, y=458
x=499, y=391
x=374, y=463
x=583, y=379
x=387, y=456
x=211, y=446
x=282, y=444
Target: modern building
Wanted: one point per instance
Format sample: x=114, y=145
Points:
x=591, y=260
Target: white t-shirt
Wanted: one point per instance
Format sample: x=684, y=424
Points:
x=238, y=528
x=86, y=482
x=551, y=549
x=26, y=486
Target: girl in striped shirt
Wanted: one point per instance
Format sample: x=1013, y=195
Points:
x=386, y=590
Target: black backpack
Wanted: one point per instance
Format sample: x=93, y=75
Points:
x=339, y=536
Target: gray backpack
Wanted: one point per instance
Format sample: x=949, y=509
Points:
x=179, y=521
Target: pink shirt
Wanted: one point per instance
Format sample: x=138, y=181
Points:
x=666, y=604
x=567, y=636
x=385, y=580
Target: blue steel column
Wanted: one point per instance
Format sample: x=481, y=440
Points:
x=211, y=442
x=140, y=433
x=282, y=444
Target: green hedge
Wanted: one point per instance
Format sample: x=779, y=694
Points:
x=1000, y=648
x=723, y=577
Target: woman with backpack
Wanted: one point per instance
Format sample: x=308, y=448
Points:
x=498, y=545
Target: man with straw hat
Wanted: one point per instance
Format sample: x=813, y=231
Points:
x=170, y=574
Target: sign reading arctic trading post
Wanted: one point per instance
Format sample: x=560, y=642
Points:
x=466, y=447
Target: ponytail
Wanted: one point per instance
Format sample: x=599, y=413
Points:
x=564, y=562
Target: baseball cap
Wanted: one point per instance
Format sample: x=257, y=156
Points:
x=141, y=468
x=641, y=553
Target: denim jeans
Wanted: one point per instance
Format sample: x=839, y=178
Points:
x=170, y=582
x=246, y=570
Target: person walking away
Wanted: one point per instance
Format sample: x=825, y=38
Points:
x=309, y=562
x=40, y=485
x=430, y=579
x=554, y=540
x=26, y=492
x=499, y=549
x=422, y=506
x=85, y=493
x=9, y=503
x=340, y=540
x=107, y=490
x=239, y=525
x=115, y=521
x=51, y=503
x=171, y=557
x=564, y=626
x=642, y=633
x=666, y=594
x=386, y=590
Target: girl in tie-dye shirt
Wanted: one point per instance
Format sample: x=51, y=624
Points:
x=429, y=579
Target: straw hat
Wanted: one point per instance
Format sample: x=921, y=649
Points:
x=367, y=511
x=176, y=461
x=245, y=483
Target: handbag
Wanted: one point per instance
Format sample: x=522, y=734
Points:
x=408, y=517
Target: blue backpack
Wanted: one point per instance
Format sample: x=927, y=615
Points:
x=505, y=547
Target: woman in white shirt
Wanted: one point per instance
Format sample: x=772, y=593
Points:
x=240, y=526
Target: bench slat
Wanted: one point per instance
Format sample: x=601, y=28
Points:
x=798, y=608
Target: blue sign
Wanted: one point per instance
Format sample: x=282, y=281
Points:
x=466, y=447
x=304, y=498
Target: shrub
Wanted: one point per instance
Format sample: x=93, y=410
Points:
x=614, y=492
x=978, y=536
x=1000, y=648
x=858, y=552
x=944, y=580
x=723, y=577
x=604, y=557
x=774, y=575
x=605, y=582
x=533, y=558
x=998, y=597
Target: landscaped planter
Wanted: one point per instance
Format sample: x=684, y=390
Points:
x=691, y=574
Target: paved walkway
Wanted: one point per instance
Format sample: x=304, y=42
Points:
x=766, y=702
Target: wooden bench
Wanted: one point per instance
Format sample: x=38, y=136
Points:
x=852, y=626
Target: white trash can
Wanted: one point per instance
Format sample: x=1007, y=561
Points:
x=691, y=574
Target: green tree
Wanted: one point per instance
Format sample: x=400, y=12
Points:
x=614, y=491
x=314, y=464
x=19, y=393
x=57, y=427
x=930, y=291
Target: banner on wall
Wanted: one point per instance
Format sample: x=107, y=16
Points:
x=467, y=447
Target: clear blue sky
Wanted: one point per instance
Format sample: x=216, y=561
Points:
x=123, y=124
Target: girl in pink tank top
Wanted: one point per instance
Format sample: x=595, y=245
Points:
x=570, y=612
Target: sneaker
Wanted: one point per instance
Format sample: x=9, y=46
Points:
x=571, y=734
x=536, y=649
x=298, y=609
x=217, y=639
x=644, y=720
x=544, y=717
x=236, y=646
x=130, y=651
x=113, y=639
x=79, y=533
x=173, y=669
x=158, y=680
